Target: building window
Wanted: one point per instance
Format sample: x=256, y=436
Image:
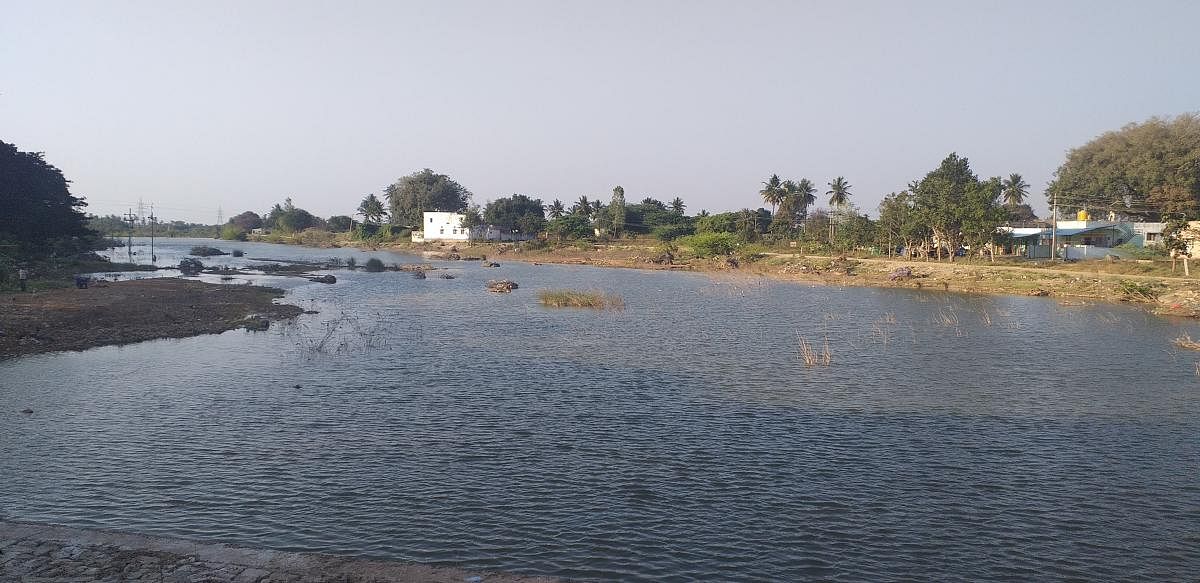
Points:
x=431, y=219
x=442, y=231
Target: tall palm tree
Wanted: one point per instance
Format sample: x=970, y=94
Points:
x=1014, y=188
x=677, y=206
x=839, y=192
x=582, y=207
x=556, y=209
x=772, y=192
x=806, y=194
x=597, y=207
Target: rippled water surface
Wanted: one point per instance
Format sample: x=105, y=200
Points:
x=951, y=437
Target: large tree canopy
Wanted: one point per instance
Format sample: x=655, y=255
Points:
x=517, y=212
x=424, y=191
x=38, y=213
x=1147, y=169
x=959, y=208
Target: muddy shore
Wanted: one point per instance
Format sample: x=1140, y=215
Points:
x=131, y=311
x=42, y=552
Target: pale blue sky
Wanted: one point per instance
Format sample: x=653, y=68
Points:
x=195, y=105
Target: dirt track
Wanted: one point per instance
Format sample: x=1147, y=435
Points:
x=130, y=311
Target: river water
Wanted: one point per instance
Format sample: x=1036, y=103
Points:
x=950, y=437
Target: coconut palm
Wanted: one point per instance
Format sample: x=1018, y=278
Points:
x=1014, y=188
x=582, y=207
x=371, y=209
x=677, y=206
x=772, y=192
x=839, y=192
x=806, y=195
x=556, y=209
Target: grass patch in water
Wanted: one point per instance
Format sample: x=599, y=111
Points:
x=566, y=298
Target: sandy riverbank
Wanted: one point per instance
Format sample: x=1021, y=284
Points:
x=131, y=311
x=42, y=552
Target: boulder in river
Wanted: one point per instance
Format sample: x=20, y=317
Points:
x=501, y=286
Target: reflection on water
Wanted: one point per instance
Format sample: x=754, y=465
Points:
x=951, y=436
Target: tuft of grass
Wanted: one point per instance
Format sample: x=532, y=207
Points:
x=565, y=298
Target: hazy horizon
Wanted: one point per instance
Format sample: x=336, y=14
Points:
x=197, y=106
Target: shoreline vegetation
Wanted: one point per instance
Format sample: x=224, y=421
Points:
x=1147, y=283
x=125, y=312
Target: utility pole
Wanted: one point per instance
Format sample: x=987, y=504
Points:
x=220, y=217
x=1054, y=228
x=132, y=220
x=153, y=257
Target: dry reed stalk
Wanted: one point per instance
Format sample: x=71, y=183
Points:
x=1186, y=341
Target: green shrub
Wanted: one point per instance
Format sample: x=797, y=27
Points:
x=232, y=232
x=672, y=232
x=750, y=253
x=710, y=244
x=373, y=265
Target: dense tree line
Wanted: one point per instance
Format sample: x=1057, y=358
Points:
x=38, y=214
x=1149, y=170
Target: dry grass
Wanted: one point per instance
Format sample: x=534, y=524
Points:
x=810, y=356
x=1186, y=341
x=565, y=298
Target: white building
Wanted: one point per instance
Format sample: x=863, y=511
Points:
x=443, y=226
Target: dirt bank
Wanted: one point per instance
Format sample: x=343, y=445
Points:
x=130, y=311
x=41, y=552
x=1150, y=285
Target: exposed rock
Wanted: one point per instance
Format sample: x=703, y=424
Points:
x=502, y=286
x=901, y=274
x=1039, y=292
x=445, y=276
x=418, y=274
x=327, y=278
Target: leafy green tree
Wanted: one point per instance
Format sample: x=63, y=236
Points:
x=569, y=226
x=371, y=209
x=957, y=207
x=1022, y=213
x=856, y=231
x=291, y=219
x=718, y=223
x=1014, y=190
x=339, y=223
x=617, y=211
x=1120, y=170
x=901, y=223
x=556, y=209
x=246, y=221
x=772, y=192
x=516, y=213
x=38, y=214
x=422, y=191
x=677, y=206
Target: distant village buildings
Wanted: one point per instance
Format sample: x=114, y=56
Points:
x=448, y=226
